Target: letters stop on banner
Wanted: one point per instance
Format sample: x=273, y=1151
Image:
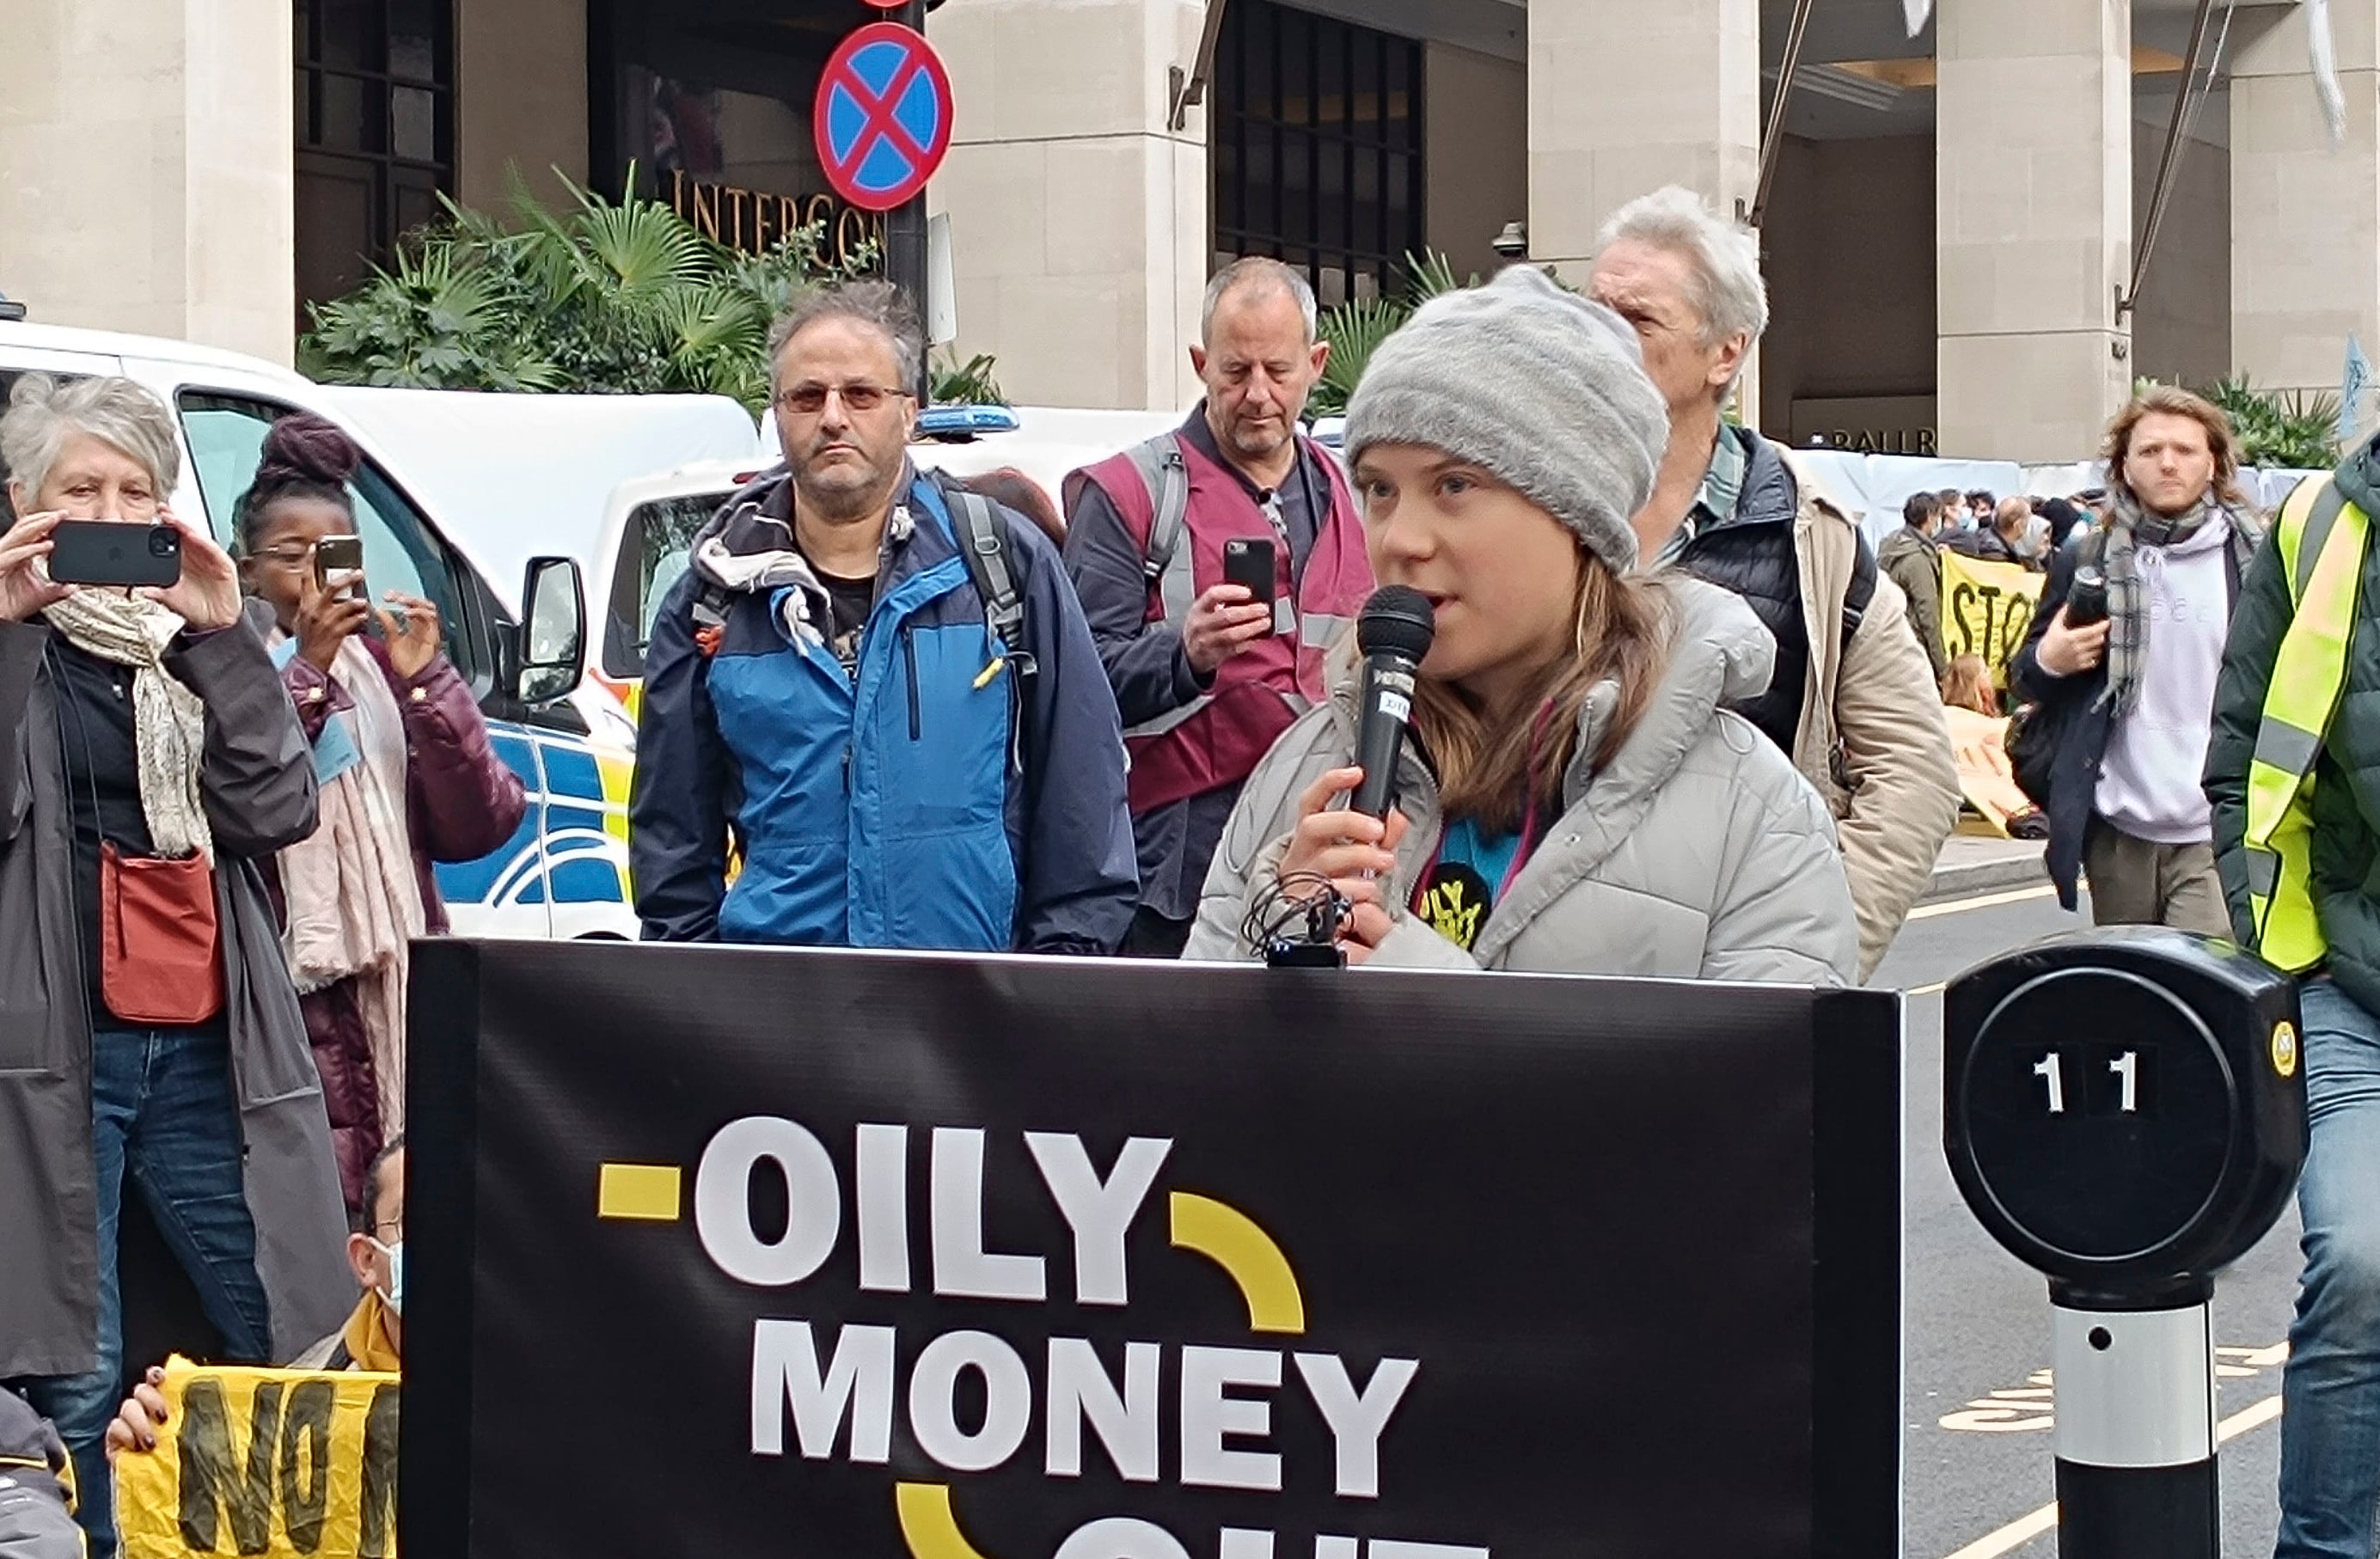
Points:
x=1986, y=610
x=269, y=1462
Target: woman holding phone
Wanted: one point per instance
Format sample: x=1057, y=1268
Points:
x=1574, y=797
x=407, y=773
x=150, y=762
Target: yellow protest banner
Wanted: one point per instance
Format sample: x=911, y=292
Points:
x=1987, y=609
x=265, y=1462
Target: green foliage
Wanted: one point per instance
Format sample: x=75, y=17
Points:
x=2295, y=431
x=1355, y=330
x=968, y=383
x=611, y=297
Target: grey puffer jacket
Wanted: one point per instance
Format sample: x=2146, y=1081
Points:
x=1697, y=854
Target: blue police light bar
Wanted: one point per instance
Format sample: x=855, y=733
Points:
x=958, y=424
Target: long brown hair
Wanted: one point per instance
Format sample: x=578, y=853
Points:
x=1492, y=770
x=2173, y=401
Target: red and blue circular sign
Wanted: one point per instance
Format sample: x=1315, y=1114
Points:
x=882, y=120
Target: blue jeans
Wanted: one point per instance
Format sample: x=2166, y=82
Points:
x=2330, y=1422
x=162, y=1105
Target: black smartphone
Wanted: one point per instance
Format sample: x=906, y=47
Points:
x=1250, y=561
x=339, y=554
x=111, y=552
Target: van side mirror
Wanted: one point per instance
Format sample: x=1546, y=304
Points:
x=553, y=650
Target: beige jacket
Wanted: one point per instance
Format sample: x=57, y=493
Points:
x=1873, y=738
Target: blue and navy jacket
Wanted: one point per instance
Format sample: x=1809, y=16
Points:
x=904, y=805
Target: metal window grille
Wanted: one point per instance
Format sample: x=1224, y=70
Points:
x=1317, y=147
x=375, y=109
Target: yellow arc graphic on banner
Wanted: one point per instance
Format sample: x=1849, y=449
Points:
x=927, y=1524
x=1231, y=1240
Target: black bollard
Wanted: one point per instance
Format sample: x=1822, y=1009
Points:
x=2125, y=1112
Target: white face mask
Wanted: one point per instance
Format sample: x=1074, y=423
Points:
x=395, y=1293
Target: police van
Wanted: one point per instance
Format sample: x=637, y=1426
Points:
x=646, y=538
x=519, y=643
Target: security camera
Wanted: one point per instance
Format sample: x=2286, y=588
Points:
x=1513, y=242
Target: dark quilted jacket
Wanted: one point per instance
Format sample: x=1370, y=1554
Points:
x=461, y=803
x=2346, y=855
x=1751, y=552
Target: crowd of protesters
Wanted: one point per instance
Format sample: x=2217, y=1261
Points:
x=1678, y=719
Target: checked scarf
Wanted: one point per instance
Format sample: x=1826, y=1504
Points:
x=2131, y=528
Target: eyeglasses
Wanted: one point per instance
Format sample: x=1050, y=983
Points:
x=808, y=400
x=386, y=1224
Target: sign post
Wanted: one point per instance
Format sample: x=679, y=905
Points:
x=2125, y=1112
x=882, y=125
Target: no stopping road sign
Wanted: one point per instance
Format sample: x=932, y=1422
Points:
x=882, y=119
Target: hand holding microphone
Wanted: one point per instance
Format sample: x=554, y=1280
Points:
x=1354, y=846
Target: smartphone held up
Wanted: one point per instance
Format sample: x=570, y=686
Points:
x=114, y=553
x=1250, y=562
x=340, y=559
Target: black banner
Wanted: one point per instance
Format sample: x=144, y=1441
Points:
x=859, y=1256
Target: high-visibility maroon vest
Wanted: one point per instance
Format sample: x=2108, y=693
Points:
x=1218, y=737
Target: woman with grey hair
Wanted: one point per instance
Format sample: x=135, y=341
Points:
x=150, y=760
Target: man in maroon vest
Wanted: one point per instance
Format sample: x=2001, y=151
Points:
x=1206, y=676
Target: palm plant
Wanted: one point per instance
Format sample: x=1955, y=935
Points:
x=2295, y=431
x=606, y=298
x=1355, y=330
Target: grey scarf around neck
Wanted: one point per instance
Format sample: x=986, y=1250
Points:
x=2130, y=528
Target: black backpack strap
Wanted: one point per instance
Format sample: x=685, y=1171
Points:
x=982, y=540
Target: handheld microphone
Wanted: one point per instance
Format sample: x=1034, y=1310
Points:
x=1394, y=633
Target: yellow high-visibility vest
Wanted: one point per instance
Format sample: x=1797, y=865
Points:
x=2321, y=537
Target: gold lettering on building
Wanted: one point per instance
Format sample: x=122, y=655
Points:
x=754, y=221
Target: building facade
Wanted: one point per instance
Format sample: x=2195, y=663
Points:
x=1949, y=232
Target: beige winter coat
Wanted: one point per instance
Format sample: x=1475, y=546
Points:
x=1697, y=854
x=1873, y=738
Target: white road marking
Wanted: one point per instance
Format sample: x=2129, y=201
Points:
x=1985, y=901
x=2022, y=1531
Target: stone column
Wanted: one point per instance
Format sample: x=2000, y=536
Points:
x=2305, y=214
x=520, y=102
x=1626, y=98
x=147, y=170
x=2033, y=218
x=1078, y=219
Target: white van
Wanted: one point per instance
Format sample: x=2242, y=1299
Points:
x=565, y=873
x=649, y=522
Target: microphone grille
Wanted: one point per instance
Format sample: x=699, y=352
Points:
x=1397, y=620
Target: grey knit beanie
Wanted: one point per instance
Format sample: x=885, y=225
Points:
x=1542, y=388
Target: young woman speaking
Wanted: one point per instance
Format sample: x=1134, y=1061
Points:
x=1574, y=797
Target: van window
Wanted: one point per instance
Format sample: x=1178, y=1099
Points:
x=656, y=545
x=226, y=435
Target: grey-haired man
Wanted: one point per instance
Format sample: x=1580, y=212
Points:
x=1853, y=701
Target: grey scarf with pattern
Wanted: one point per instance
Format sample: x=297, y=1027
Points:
x=169, y=723
x=2130, y=528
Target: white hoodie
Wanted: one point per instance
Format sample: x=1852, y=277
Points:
x=2149, y=780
